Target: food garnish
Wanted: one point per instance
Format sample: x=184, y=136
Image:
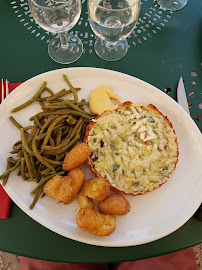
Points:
x=100, y=99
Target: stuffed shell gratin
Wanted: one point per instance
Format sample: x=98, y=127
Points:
x=134, y=147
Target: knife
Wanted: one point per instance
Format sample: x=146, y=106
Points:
x=181, y=96
x=182, y=101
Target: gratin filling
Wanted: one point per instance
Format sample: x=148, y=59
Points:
x=134, y=147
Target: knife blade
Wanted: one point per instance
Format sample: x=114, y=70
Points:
x=181, y=96
x=182, y=101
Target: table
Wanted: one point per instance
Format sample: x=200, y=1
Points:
x=163, y=47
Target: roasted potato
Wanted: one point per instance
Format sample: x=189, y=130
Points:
x=114, y=204
x=89, y=220
x=65, y=189
x=84, y=201
x=76, y=156
x=96, y=188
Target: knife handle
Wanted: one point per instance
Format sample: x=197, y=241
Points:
x=198, y=214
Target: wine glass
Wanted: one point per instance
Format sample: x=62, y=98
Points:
x=112, y=21
x=172, y=5
x=58, y=17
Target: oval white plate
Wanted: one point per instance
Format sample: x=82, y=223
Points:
x=153, y=215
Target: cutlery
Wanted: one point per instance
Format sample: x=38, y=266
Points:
x=181, y=96
x=5, y=201
x=3, y=96
x=182, y=101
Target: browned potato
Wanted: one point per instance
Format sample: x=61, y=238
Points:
x=76, y=156
x=65, y=189
x=84, y=201
x=89, y=220
x=114, y=204
x=96, y=188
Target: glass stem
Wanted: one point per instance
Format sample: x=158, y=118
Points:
x=110, y=45
x=64, y=41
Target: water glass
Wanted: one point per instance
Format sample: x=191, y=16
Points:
x=58, y=17
x=172, y=4
x=112, y=21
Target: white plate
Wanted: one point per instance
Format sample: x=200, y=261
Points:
x=153, y=215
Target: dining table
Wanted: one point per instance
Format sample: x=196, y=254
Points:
x=164, y=46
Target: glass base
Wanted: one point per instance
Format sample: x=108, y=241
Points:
x=172, y=5
x=68, y=55
x=111, y=51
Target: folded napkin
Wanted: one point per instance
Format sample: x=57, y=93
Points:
x=5, y=201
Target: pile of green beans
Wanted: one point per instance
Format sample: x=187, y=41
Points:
x=55, y=131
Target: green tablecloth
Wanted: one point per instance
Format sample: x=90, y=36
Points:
x=163, y=47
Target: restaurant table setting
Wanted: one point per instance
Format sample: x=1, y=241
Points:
x=148, y=53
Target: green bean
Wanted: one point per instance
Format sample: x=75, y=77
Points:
x=33, y=165
x=40, y=137
x=38, y=156
x=42, y=105
x=62, y=93
x=82, y=103
x=11, y=160
x=56, y=107
x=46, y=171
x=81, y=114
x=38, y=124
x=17, y=147
x=51, y=141
x=49, y=130
x=5, y=179
x=57, y=102
x=42, y=182
x=19, y=154
x=11, y=169
x=41, y=99
x=36, y=197
x=23, y=168
x=28, y=163
x=73, y=106
x=57, y=112
x=53, y=162
x=47, y=123
x=49, y=91
x=58, y=137
x=50, y=150
x=30, y=179
x=59, y=126
x=27, y=128
x=24, y=143
x=38, y=93
x=31, y=136
x=71, y=88
x=83, y=131
x=15, y=122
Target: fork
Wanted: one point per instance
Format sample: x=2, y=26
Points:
x=5, y=201
x=4, y=95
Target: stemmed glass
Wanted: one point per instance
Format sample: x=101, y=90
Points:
x=58, y=17
x=112, y=21
x=172, y=5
